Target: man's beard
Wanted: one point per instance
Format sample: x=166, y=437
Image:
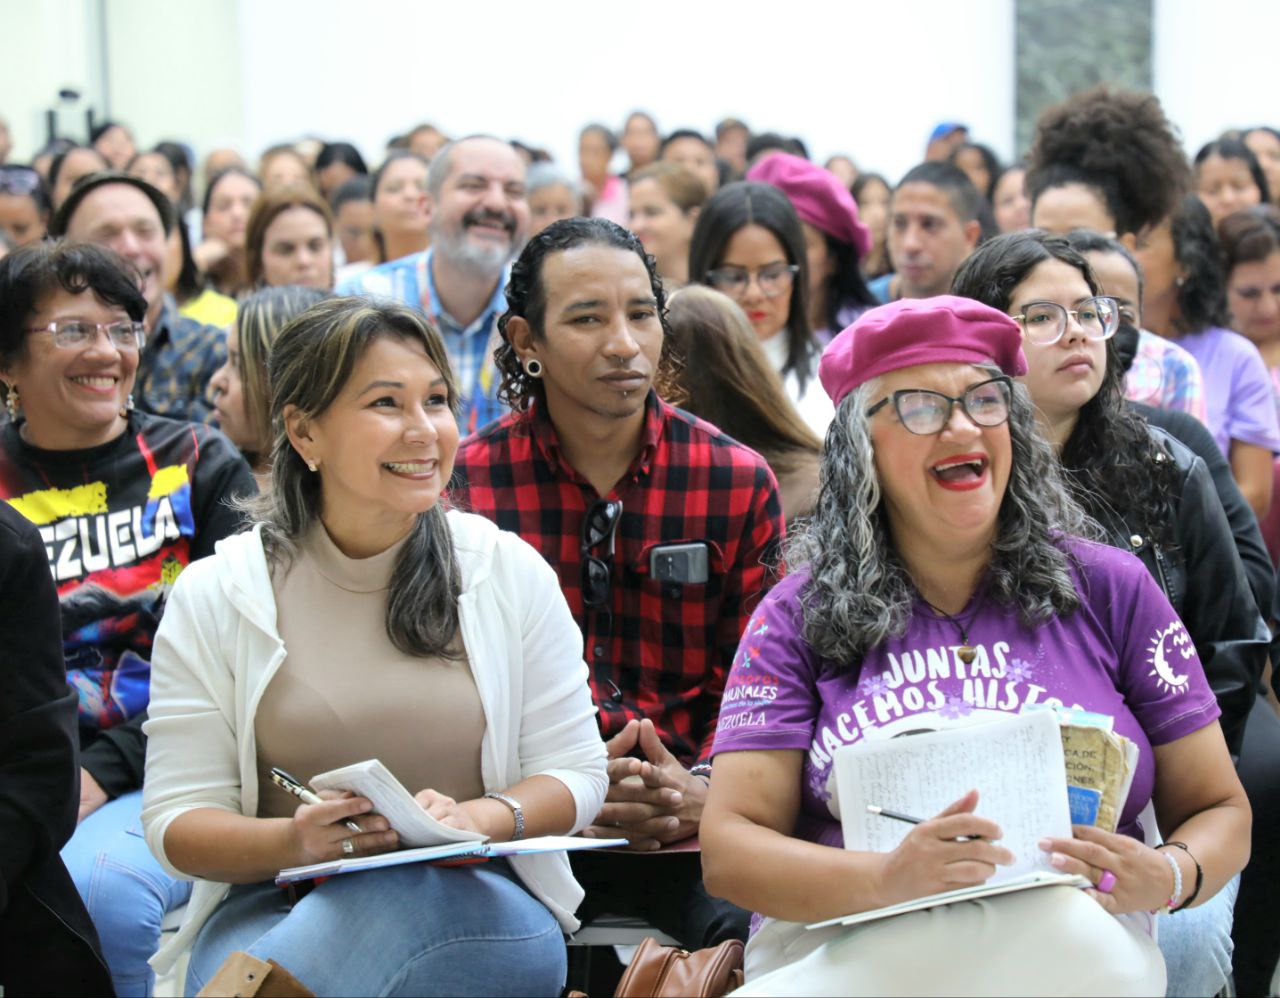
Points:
x=480, y=260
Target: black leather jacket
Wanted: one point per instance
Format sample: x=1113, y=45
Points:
x=1203, y=577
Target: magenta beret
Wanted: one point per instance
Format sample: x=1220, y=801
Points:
x=817, y=196
x=914, y=331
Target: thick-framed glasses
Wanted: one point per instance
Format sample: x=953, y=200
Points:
x=599, y=526
x=774, y=280
x=925, y=412
x=1045, y=322
x=77, y=334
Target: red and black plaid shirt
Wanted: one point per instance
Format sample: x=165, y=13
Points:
x=667, y=647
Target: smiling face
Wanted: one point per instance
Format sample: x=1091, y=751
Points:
x=296, y=249
x=663, y=228
x=1061, y=376
x=601, y=337
x=385, y=446
x=1253, y=294
x=752, y=248
x=481, y=215
x=72, y=397
x=122, y=218
x=1226, y=185
x=944, y=489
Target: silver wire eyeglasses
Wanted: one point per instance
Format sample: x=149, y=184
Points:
x=76, y=334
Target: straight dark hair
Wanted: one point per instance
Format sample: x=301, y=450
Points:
x=734, y=207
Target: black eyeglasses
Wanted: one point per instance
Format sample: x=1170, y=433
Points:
x=599, y=526
x=925, y=412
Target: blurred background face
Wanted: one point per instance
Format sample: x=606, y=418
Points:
x=873, y=210
x=333, y=176
x=974, y=166
x=843, y=169
x=1266, y=147
x=551, y=203
x=229, y=207
x=663, y=228
x=696, y=156
x=116, y=147
x=21, y=220
x=284, y=169
x=1072, y=206
x=641, y=140
x=76, y=164
x=296, y=250
x=228, y=398
x=355, y=231
x=1010, y=203
x=1225, y=186
x=158, y=172
x=593, y=155
x=1253, y=295
x=400, y=202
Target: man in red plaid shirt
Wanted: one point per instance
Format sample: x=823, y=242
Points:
x=663, y=531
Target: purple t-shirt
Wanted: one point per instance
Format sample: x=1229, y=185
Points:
x=1237, y=389
x=1124, y=653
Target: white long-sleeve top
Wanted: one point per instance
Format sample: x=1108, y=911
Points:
x=218, y=647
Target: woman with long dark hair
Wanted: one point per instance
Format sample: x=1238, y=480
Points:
x=1151, y=494
x=748, y=244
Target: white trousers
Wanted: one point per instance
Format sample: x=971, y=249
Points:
x=1047, y=941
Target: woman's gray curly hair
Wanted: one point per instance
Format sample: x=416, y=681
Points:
x=860, y=593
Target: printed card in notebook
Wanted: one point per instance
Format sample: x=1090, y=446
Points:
x=391, y=800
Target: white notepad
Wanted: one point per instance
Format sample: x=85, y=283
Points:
x=1015, y=763
x=414, y=825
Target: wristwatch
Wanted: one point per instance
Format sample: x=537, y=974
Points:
x=516, y=809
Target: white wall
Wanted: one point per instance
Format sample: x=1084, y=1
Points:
x=867, y=79
x=1215, y=65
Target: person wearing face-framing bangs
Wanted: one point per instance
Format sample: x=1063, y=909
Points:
x=125, y=501
x=432, y=640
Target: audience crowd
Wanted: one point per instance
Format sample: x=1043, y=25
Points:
x=612, y=499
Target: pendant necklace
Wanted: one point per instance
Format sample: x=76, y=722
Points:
x=966, y=651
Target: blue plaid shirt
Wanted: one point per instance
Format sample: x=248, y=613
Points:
x=177, y=363
x=470, y=348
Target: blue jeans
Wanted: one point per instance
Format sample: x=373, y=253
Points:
x=1196, y=944
x=403, y=930
x=125, y=889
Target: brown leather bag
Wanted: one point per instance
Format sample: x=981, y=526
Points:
x=658, y=971
x=242, y=974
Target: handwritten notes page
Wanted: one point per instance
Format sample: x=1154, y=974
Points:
x=391, y=800
x=1016, y=764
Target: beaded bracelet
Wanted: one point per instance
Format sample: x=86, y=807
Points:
x=1195, y=893
x=1170, y=905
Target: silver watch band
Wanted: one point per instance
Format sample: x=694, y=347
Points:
x=516, y=810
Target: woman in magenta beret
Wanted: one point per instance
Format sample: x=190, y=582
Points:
x=945, y=580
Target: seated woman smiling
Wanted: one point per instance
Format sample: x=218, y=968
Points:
x=360, y=620
x=942, y=522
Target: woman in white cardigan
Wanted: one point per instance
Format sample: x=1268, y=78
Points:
x=357, y=620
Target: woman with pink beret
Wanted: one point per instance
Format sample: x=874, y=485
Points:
x=837, y=242
x=943, y=534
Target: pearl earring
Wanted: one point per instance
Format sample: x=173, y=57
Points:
x=13, y=402
x=312, y=465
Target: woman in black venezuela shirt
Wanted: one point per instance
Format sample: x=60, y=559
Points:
x=122, y=501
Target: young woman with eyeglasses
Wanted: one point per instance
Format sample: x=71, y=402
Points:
x=1149, y=492
x=748, y=243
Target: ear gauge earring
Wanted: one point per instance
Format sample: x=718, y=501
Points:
x=13, y=402
x=533, y=367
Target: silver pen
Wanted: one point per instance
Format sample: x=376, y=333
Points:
x=289, y=784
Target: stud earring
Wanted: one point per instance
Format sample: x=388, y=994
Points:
x=13, y=402
x=313, y=466
x=533, y=367
x=128, y=405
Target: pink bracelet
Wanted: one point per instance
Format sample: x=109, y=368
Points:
x=1177, y=885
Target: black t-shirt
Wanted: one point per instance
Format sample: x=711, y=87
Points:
x=119, y=522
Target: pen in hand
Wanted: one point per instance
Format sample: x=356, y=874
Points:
x=291, y=785
x=884, y=812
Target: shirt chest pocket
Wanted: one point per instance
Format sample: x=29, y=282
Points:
x=678, y=587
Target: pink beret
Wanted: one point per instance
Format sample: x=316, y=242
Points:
x=914, y=331
x=817, y=196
